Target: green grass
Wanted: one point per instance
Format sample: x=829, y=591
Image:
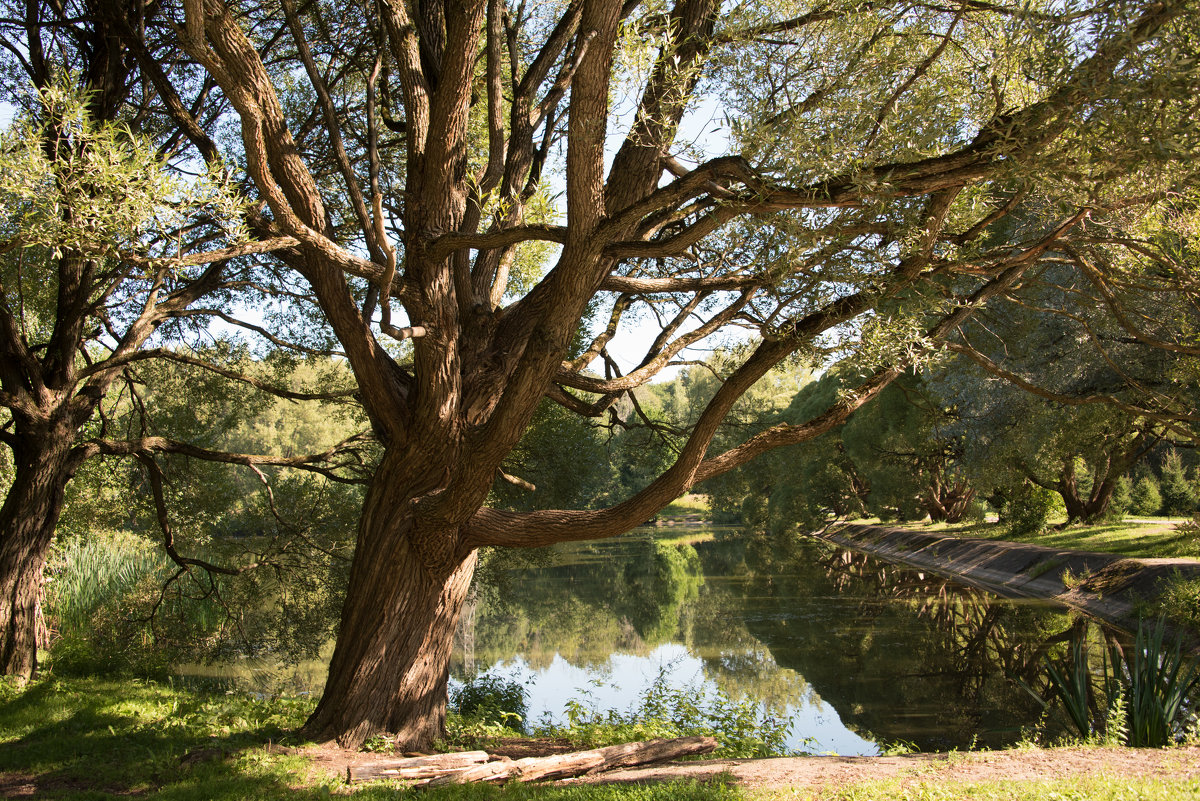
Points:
x=88, y=739
x=1148, y=540
x=93, y=739
x=687, y=505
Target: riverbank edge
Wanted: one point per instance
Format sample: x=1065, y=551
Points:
x=1103, y=585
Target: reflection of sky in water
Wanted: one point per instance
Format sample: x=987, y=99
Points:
x=621, y=682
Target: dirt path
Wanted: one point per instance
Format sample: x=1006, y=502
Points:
x=812, y=773
x=815, y=773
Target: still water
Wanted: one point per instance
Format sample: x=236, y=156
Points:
x=858, y=653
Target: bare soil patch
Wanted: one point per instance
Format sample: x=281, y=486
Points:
x=817, y=772
x=812, y=773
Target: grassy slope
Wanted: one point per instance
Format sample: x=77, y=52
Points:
x=1159, y=539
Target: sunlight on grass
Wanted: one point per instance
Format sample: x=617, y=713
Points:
x=1146, y=540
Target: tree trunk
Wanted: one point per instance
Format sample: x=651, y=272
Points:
x=27, y=521
x=390, y=667
x=1098, y=502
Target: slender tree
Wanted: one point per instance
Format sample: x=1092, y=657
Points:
x=104, y=261
x=407, y=148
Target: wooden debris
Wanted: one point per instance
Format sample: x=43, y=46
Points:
x=415, y=768
x=577, y=763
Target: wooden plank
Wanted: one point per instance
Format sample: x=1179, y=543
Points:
x=414, y=768
x=561, y=766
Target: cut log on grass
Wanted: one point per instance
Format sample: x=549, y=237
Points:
x=577, y=763
x=415, y=768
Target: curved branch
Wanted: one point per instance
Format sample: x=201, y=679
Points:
x=351, y=446
x=446, y=244
x=170, y=355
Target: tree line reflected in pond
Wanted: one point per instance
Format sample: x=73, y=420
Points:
x=900, y=655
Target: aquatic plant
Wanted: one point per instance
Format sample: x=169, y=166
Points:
x=1146, y=689
x=1159, y=680
x=1073, y=686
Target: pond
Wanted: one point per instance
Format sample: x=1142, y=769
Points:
x=859, y=654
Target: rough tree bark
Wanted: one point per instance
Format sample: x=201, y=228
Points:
x=44, y=464
x=389, y=668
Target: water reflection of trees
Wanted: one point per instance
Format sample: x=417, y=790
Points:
x=590, y=600
x=630, y=597
x=900, y=654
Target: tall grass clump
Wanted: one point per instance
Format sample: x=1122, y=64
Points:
x=85, y=575
x=112, y=607
x=1146, y=690
x=1159, y=680
x=93, y=587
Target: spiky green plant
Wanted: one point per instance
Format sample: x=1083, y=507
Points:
x=1073, y=685
x=1159, y=680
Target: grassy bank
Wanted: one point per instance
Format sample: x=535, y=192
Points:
x=1178, y=599
x=91, y=738
x=1159, y=539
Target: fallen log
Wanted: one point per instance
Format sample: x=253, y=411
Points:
x=414, y=768
x=577, y=763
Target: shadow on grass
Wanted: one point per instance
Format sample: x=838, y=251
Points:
x=104, y=738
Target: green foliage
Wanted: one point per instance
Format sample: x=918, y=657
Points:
x=1178, y=493
x=1122, y=499
x=563, y=457
x=295, y=528
x=1146, y=688
x=94, y=593
x=492, y=699
x=744, y=728
x=1028, y=508
x=105, y=190
x=1146, y=499
x=1072, y=685
x=1179, y=601
x=1160, y=679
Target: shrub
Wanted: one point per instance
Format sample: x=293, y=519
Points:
x=1146, y=500
x=1178, y=495
x=492, y=699
x=1029, y=508
x=744, y=727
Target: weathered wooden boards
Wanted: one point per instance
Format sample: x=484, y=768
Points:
x=415, y=768
x=474, y=766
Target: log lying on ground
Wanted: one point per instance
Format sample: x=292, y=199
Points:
x=561, y=766
x=415, y=768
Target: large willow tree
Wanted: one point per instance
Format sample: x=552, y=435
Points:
x=403, y=157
